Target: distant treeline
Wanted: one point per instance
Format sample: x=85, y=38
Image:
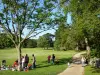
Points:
x=44, y=41
x=6, y=42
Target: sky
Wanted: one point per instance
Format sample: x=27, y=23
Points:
x=53, y=31
x=48, y=31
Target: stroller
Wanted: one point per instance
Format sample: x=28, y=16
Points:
x=3, y=65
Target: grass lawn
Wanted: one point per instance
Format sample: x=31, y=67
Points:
x=91, y=71
x=43, y=68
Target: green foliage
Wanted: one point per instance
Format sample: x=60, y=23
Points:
x=42, y=42
x=30, y=43
x=17, y=15
x=5, y=42
x=93, y=53
x=91, y=71
x=45, y=41
x=85, y=21
x=63, y=40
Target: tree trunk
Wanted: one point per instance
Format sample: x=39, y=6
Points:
x=19, y=57
x=87, y=47
x=77, y=47
x=19, y=52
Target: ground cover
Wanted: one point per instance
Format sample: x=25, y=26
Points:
x=43, y=68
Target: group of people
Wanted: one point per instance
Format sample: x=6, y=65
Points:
x=52, y=59
x=25, y=62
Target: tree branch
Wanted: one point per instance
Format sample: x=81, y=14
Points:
x=9, y=33
x=27, y=37
x=13, y=24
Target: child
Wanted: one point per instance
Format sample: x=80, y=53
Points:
x=83, y=61
x=49, y=57
x=29, y=66
x=68, y=64
x=15, y=63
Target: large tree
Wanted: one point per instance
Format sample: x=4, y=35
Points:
x=45, y=41
x=84, y=18
x=18, y=15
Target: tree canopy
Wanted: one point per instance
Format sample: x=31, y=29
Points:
x=16, y=16
x=45, y=41
x=85, y=21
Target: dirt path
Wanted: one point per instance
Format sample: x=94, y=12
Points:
x=75, y=68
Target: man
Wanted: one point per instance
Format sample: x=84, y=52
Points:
x=53, y=58
x=33, y=61
x=26, y=60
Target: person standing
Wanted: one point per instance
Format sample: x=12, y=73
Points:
x=68, y=64
x=83, y=61
x=49, y=57
x=23, y=62
x=53, y=58
x=26, y=60
x=33, y=61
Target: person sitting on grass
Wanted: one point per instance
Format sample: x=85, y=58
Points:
x=15, y=65
x=3, y=65
x=29, y=66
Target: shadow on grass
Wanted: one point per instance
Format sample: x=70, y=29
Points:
x=95, y=70
x=42, y=65
x=64, y=61
x=57, y=62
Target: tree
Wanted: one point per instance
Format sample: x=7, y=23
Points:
x=59, y=37
x=84, y=18
x=63, y=37
x=18, y=15
x=42, y=42
x=45, y=41
x=49, y=37
x=30, y=43
x=5, y=42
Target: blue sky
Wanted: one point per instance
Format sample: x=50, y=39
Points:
x=48, y=31
x=53, y=31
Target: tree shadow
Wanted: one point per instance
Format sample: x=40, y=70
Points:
x=60, y=61
x=57, y=62
x=43, y=65
x=95, y=70
x=63, y=61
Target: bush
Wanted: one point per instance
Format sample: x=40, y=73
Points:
x=95, y=53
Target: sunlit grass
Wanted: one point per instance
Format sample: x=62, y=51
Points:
x=92, y=71
x=43, y=68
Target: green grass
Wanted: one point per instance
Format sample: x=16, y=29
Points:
x=43, y=68
x=91, y=71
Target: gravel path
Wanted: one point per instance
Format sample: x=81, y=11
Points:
x=74, y=69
